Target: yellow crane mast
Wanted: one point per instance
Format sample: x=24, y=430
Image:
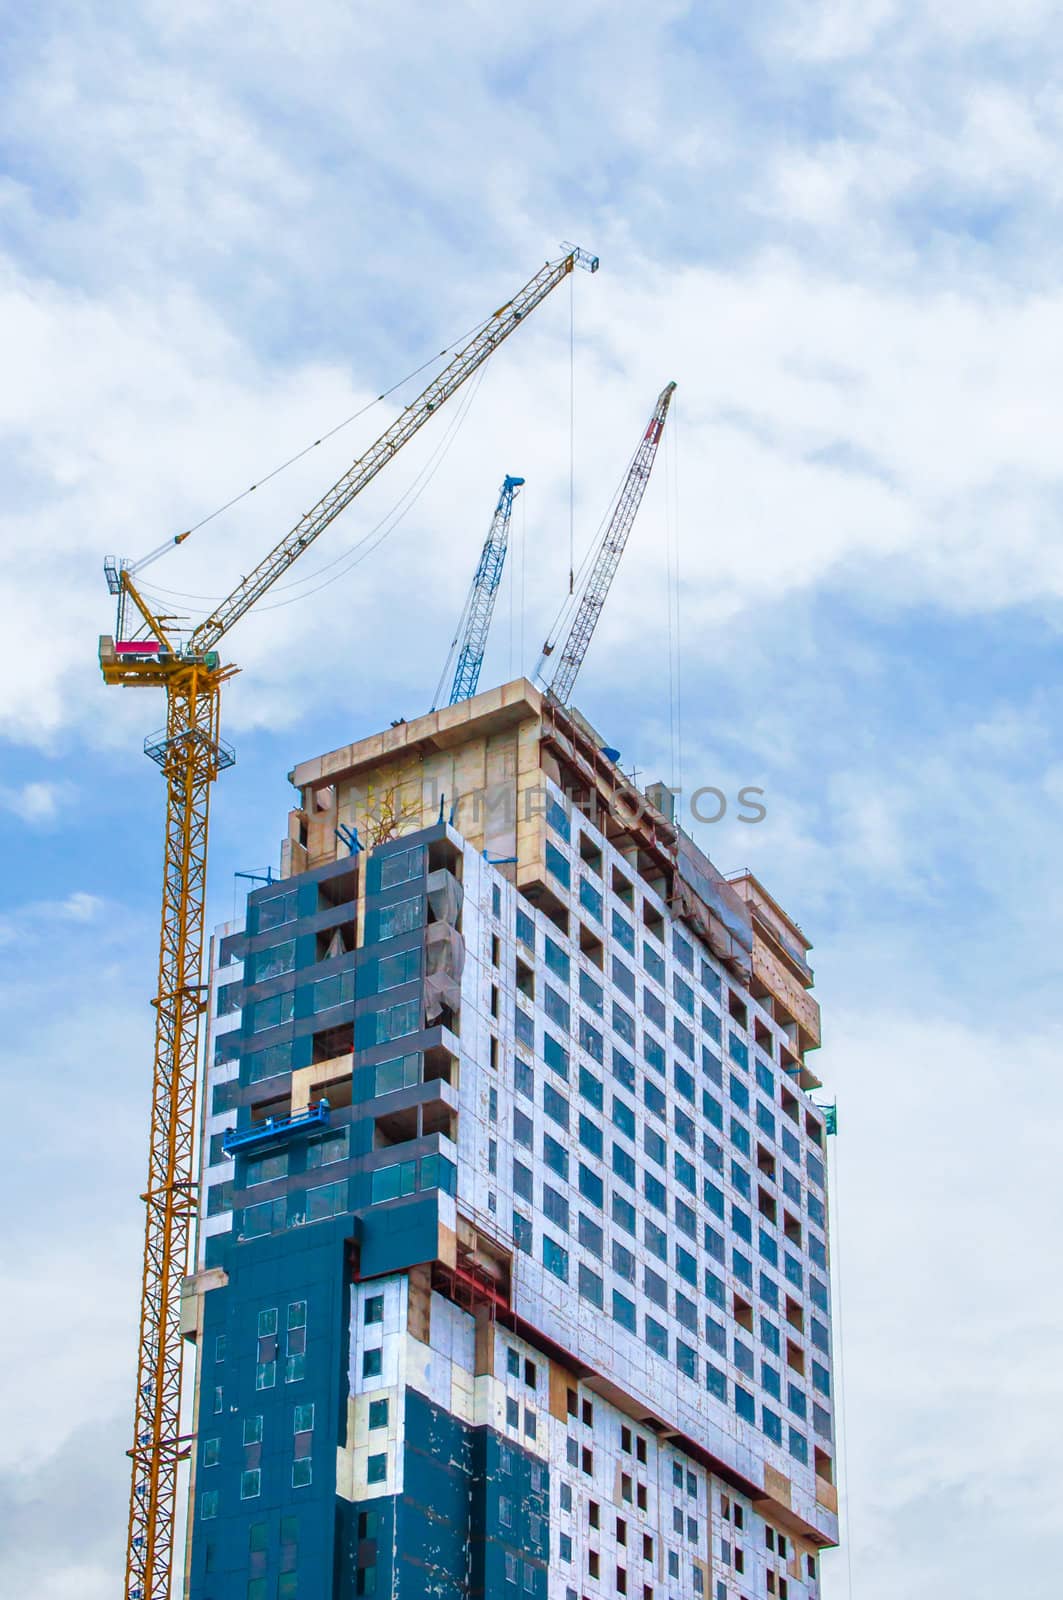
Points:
x=191, y=753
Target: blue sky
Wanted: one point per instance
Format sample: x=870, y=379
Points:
x=837, y=227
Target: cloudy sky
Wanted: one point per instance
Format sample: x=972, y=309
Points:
x=837, y=226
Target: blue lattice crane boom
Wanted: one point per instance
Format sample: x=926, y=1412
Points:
x=606, y=559
x=470, y=641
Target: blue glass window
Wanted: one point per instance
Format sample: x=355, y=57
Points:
x=557, y=960
x=653, y=1098
x=653, y=1054
x=591, y=1186
x=685, y=1171
x=624, y=1023
x=653, y=962
x=682, y=993
x=623, y=1116
x=555, y=1156
x=745, y=1404
x=590, y=1040
x=558, y=865
x=590, y=899
x=738, y=1051
x=590, y=1135
x=555, y=1105
x=623, y=1311
x=590, y=992
x=623, y=932
x=556, y=1008
x=656, y=1337
x=623, y=977
x=590, y=1088
x=654, y=1145
x=555, y=1258
x=710, y=979
x=623, y=1164
x=591, y=1236
x=686, y=1265
x=555, y=1056
x=716, y=1381
x=557, y=818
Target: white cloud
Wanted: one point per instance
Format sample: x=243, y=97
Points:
x=836, y=227
x=37, y=802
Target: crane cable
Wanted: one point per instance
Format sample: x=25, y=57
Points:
x=331, y=433
x=572, y=599
x=395, y=515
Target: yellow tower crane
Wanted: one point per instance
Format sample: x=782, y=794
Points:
x=191, y=753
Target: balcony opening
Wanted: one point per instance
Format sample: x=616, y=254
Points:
x=544, y=900
x=791, y=1107
x=623, y=888
x=333, y=942
x=439, y=1064
x=743, y=1313
x=444, y=856
x=792, y=1228
x=591, y=946
x=795, y=1358
x=525, y=981
x=824, y=1469
x=738, y=1009
x=652, y=921
x=398, y=1127
x=437, y=1117
x=764, y=1037
x=338, y=891
x=765, y=1162
x=332, y=1042
x=766, y=1205
x=795, y=1316
x=590, y=854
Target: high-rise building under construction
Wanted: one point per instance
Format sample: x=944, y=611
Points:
x=512, y=1269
